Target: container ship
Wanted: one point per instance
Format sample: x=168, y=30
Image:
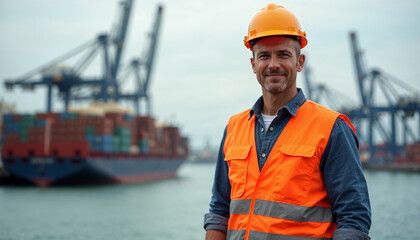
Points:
x=78, y=148
x=407, y=158
x=102, y=143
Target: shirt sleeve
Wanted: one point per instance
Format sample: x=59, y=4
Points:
x=345, y=184
x=218, y=215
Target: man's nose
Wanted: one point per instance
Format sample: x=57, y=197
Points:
x=274, y=63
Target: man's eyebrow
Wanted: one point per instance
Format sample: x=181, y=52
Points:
x=284, y=51
x=262, y=52
x=278, y=51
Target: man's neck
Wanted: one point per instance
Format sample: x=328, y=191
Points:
x=273, y=102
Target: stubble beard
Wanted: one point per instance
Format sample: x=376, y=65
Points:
x=277, y=88
x=275, y=85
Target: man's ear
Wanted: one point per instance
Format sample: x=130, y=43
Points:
x=300, y=62
x=253, y=64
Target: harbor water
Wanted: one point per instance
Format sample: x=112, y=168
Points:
x=172, y=208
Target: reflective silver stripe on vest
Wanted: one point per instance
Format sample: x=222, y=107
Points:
x=254, y=235
x=235, y=235
x=240, y=206
x=292, y=212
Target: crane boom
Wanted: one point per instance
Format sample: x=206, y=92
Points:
x=153, y=44
x=122, y=32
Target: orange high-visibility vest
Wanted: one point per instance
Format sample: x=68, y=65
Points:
x=287, y=199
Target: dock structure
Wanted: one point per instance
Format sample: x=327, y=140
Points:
x=387, y=118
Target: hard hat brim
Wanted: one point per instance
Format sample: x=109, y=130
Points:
x=248, y=40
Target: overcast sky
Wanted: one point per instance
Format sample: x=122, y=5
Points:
x=202, y=71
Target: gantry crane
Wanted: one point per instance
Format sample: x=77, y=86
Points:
x=65, y=78
x=388, y=112
x=381, y=121
x=142, y=69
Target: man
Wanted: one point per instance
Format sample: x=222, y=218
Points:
x=287, y=168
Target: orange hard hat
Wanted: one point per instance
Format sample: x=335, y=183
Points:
x=274, y=20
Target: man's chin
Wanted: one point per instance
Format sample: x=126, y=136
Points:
x=276, y=90
x=274, y=79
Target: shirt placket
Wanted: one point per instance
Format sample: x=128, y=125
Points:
x=266, y=136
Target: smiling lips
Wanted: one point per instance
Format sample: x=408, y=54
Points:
x=274, y=73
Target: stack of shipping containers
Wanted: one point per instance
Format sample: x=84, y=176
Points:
x=78, y=135
x=413, y=153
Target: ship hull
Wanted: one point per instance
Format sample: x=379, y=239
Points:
x=89, y=170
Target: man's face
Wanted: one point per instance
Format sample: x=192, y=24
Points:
x=276, y=64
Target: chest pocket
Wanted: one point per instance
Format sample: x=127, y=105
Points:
x=237, y=160
x=294, y=173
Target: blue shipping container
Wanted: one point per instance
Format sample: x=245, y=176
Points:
x=7, y=118
x=41, y=123
x=128, y=117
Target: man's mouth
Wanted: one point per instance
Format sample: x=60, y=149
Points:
x=275, y=74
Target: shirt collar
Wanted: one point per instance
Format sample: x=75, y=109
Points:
x=292, y=107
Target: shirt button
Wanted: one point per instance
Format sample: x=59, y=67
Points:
x=263, y=155
x=262, y=129
x=271, y=128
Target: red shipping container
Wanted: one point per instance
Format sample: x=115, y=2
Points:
x=24, y=150
x=58, y=131
x=11, y=138
x=103, y=122
x=16, y=117
x=13, y=150
x=57, y=138
x=53, y=117
x=416, y=158
x=416, y=147
x=84, y=119
x=36, y=134
x=142, y=135
x=134, y=139
x=70, y=149
x=59, y=124
x=402, y=159
x=91, y=120
x=36, y=139
x=38, y=149
x=104, y=131
x=76, y=130
x=36, y=131
x=74, y=137
x=145, y=123
x=115, y=117
x=103, y=126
